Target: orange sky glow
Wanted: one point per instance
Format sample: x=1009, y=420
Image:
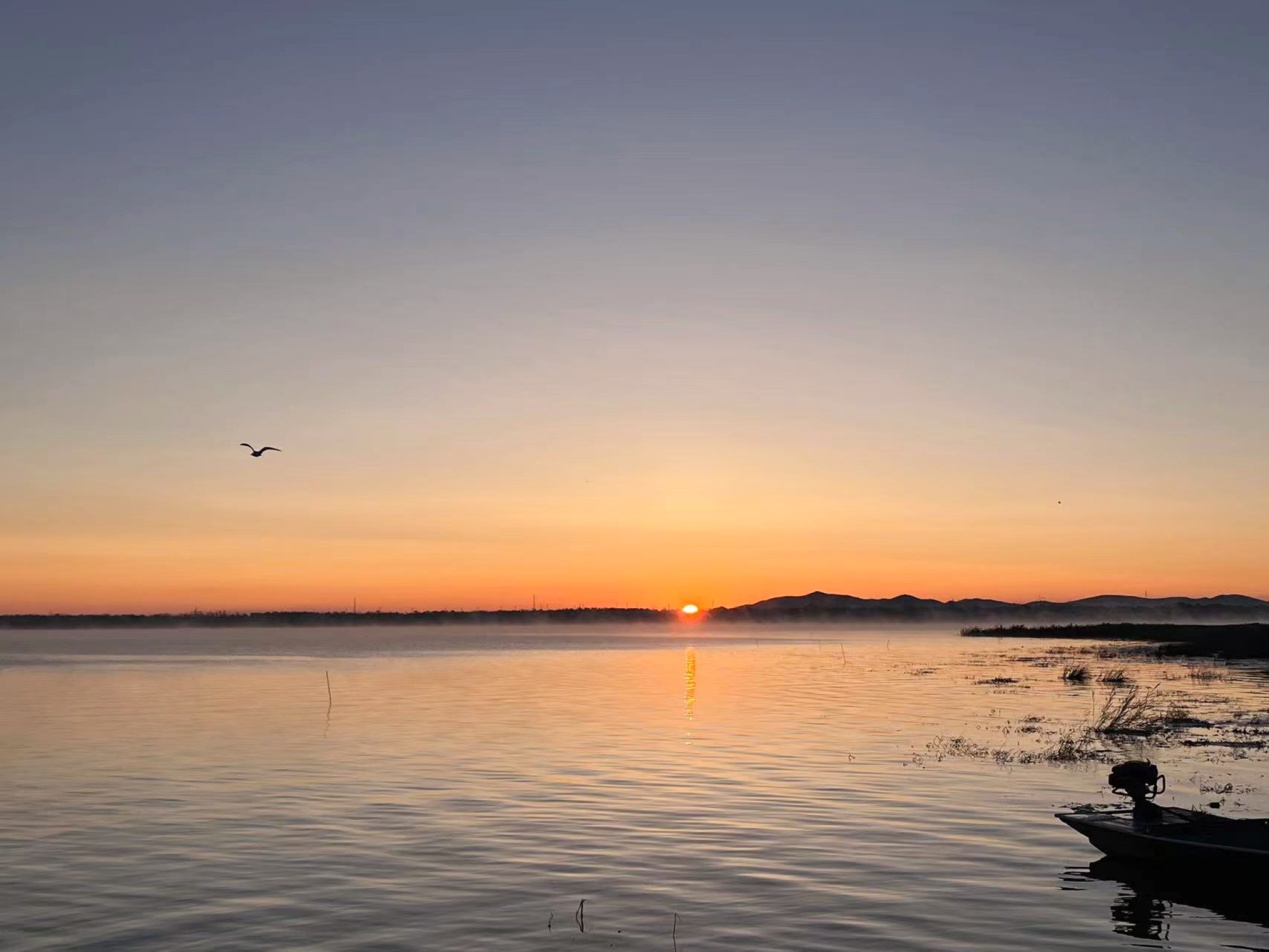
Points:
x=277, y=538
x=711, y=303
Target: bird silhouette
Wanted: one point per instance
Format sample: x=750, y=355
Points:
x=261, y=450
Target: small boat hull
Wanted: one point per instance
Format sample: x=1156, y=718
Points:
x=1178, y=838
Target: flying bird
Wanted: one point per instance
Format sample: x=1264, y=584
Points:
x=261, y=450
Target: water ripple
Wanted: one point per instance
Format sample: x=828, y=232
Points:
x=771, y=795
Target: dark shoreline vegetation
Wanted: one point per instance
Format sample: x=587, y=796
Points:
x=1227, y=641
x=302, y=619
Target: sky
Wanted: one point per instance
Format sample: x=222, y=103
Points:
x=579, y=302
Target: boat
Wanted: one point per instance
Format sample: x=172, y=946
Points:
x=1171, y=836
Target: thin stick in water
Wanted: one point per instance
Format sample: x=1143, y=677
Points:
x=580, y=916
x=330, y=698
x=674, y=933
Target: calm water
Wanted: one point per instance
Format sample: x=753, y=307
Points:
x=776, y=789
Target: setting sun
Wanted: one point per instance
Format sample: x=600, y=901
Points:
x=690, y=609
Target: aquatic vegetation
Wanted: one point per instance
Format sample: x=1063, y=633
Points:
x=1126, y=711
x=1031, y=724
x=1210, y=787
x=958, y=746
x=1233, y=745
x=1072, y=746
x=1038, y=661
x=1075, y=673
x=1205, y=672
x=1103, y=652
x=1000, y=679
x=1069, y=746
x=1114, y=676
x=1228, y=791
x=1132, y=710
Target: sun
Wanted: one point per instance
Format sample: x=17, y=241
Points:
x=689, y=609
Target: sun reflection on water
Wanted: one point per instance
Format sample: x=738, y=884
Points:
x=689, y=679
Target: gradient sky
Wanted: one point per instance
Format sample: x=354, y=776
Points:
x=631, y=303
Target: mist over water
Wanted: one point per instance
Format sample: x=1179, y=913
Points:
x=776, y=788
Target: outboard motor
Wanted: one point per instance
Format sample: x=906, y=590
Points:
x=1140, y=780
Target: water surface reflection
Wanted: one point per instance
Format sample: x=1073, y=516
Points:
x=689, y=680
x=465, y=796
x=1144, y=905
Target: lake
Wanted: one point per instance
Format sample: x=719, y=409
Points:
x=743, y=788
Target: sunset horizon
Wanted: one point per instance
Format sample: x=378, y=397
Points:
x=361, y=606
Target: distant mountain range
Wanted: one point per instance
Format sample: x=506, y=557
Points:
x=822, y=606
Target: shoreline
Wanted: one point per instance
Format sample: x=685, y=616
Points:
x=320, y=619
x=1243, y=641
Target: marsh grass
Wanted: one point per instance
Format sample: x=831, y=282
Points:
x=1117, y=675
x=1127, y=711
x=1075, y=673
x=1071, y=746
x=1131, y=710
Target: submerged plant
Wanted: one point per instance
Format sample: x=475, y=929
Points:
x=1205, y=672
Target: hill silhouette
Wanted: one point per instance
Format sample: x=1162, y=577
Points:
x=822, y=606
